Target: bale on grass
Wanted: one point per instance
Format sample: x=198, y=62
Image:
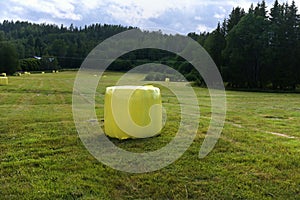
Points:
x=3, y=80
x=3, y=74
x=139, y=111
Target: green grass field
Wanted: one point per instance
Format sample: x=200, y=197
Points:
x=42, y=157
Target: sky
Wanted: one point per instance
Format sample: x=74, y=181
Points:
x=180, y=16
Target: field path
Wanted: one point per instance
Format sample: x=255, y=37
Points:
x=256, y=129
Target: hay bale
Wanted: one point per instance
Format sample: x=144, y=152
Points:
x=3, y=81
x=146, y=121
x=3, y=74
x=167, y=80
x=27, y=73
x=43, y=72
x=53, y=71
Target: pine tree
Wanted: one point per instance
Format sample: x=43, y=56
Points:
x=234, y=17
x=261, y=9
x=9, y=62
x=215, y=44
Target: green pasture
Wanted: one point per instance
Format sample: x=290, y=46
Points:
x=42, y=157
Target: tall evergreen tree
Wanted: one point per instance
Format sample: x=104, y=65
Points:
x=245, y=52
x=282, y=45
x=261, y=9
x=215, y=44
x=9, y=62
x=234, y=17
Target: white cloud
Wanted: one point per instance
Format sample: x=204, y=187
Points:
x=17, y=9
x=88, y=5
x=138, y=10
x=219, y=16
x=184, y=16
x=204, y=28
x=198, y=18
x=55, y=8
x=222, y=9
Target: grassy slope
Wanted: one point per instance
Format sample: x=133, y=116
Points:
x=42, y=157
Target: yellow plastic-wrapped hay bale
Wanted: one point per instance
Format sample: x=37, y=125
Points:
x=132, y=111
x=3, y=81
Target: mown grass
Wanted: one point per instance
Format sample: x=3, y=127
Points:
x=42, y=156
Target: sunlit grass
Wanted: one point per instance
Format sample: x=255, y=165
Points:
x=42, y=156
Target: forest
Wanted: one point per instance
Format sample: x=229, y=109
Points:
x=257, y=48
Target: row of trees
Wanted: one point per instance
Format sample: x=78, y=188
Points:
x=68, y=45
x=259, y=48
x=10, y=62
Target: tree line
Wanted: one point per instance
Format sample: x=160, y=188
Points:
x=48, y=46
x=258, y=48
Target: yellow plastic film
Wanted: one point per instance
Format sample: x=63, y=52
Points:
x=132, y=111
x=3, y=81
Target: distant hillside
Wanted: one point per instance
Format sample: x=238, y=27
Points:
x=70, y=45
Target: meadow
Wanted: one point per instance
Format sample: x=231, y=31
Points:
x=42, y=156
